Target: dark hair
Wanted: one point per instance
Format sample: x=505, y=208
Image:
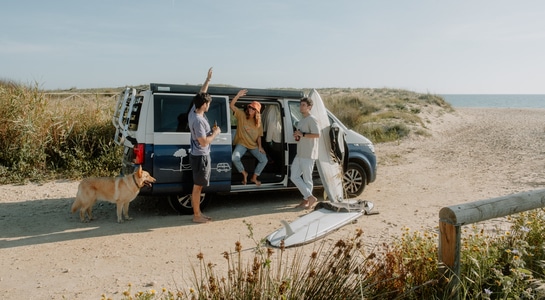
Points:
x=200, y=99
x=307, y=100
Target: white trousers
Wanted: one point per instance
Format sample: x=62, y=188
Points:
x=301, y=175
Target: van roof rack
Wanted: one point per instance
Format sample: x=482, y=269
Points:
x=231, y=91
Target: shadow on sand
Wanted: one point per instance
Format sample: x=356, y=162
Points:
x=50, y=221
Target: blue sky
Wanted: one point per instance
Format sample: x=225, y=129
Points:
x=439, y=47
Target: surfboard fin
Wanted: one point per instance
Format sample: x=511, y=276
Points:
x=368, y=208
x=289, y=231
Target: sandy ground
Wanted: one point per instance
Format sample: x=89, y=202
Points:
x=46, y=253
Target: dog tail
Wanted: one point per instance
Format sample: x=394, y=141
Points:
x=77, y=203
x=75, y=206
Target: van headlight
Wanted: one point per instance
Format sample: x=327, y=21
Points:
x=359, y=140
x=372, y=147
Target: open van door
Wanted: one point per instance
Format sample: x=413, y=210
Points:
x=339, y=149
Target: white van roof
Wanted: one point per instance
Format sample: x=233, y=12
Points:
x=228, y=91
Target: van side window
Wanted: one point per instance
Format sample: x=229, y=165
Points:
x=170, y=113
x=217, y=113
x=233, y=121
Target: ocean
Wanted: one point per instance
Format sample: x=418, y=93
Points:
x=499, y=100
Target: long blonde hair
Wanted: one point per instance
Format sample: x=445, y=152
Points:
x=257, y=119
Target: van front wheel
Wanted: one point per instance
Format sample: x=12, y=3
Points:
x=182, y=203
x=354, y=180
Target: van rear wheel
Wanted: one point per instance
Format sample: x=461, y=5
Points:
x=182, y=203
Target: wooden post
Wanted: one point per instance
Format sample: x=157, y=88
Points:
x=452, y=218
x=449, y=255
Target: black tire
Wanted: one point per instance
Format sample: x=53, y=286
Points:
x=182, y=203
x=354, y=180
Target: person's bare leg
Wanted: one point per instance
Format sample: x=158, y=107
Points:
x=244, y=176
x=254, y=180
x=303, y=204
x=196, y=203
x=312, y=202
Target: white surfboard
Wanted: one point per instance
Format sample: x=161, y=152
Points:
x=331, y=171
x=326, y=218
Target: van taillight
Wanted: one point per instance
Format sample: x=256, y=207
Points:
x=138, y=154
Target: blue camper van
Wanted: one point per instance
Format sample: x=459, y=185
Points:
x=151, y=127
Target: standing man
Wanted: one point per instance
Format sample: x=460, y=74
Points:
x=201, y=138
x=307, y=136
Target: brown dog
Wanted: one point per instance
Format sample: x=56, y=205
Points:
x=118, y=190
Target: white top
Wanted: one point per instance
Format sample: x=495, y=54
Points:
x=308, y=147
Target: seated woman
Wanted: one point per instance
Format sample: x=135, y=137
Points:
x=248, y=137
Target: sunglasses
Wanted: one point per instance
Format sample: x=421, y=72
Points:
x=249, y=107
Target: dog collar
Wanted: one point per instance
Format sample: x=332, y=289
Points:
x=134, y=178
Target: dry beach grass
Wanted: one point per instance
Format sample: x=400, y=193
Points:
x=46, y=253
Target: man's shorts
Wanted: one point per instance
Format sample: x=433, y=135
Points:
x=200, y=165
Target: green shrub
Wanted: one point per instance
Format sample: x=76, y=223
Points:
x=505, y=265
x=45, y=138
x=22, y=136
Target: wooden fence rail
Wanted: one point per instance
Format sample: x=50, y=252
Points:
x=452, y=218
x=81, y=95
